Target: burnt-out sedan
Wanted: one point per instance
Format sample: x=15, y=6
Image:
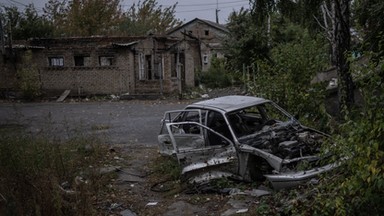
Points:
x=242, y=137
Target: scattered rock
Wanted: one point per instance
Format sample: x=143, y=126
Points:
x=205, y=96
x=127, y=212
x=151, y=204
x=238, y=206
x=184, y=208
x=106, y=170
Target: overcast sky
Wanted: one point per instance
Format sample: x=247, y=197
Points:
x=186, y=10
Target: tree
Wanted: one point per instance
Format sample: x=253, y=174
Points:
x=11, y=18
x=342, y=47
x=56, y=12
x=25, y=25
x=84, y=17
x=149, y=17
x=32, y=25
x=371, y=27
x=246, y=41
x=28, y=77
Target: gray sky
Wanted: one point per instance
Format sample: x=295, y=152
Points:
x=186, y=10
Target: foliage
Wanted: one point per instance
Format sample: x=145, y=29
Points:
x=246, y=41
x=169, y=167
x=40, y=176
x=359, y=187
x=148, y=17
x=55, y=11
x=91, y=17
x=94, y=17
x=371, y=29
x=288, y=81
x=217, y=75
x=28, y=77
x=25, y=25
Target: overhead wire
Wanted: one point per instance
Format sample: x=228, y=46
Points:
x=10, y=1
x=200, y=4
x=211, y=8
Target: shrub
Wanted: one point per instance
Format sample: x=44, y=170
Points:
x=217, y=75
x=288, y=80
x=28, y=74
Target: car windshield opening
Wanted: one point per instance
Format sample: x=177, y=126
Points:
x=256, y=118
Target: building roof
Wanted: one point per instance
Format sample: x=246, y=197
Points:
x=229, y=103
x=210, y=23
x=23, y=46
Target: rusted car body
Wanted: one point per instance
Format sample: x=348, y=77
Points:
x=242, y=137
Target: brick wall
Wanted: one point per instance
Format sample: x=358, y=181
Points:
x=80, y=68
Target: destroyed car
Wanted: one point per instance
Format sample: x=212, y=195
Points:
x=242, y=137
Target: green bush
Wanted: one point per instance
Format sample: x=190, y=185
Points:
x=357, y=187
x=288, y=80
x=217, y=75
x=28, y=74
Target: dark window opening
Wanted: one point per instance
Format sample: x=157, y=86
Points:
x=106, y=60
x=205, y=59
x=217, y=123
x=82, y=61
x=177, y=64
x=206, y=32
x=148, y=66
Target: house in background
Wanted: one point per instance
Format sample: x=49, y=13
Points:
x=208, y=34
x=117, y=65
x=110, y=65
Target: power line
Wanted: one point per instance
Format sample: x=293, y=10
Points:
x=206, y=4
x=211, y=8
x=10, y=1
x=197, y=5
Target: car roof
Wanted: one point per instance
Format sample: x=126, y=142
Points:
x=229, y=103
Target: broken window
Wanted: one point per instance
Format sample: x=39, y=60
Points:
x=178, y=65
x=82, y=61
x=205, y=59
x=106, y=60
x=146, y=69
x=157, y=74
x=148, y=66
x=141, y=67
x=206, y=32
x=56, y=61
x=216, y=122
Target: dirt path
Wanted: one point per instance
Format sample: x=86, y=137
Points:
x=132, y=192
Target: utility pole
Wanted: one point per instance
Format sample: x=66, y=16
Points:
x=2, y=45
x=217, y=11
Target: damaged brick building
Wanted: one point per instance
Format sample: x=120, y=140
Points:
x=116, y=65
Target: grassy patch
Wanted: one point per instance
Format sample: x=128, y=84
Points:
x=166, y=176
x=41, y=176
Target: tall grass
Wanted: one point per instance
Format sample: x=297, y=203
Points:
x=44, y=176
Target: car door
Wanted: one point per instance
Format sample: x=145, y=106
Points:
x=183, y=133
x=203, y=152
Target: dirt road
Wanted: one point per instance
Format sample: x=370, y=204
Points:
x=122, y=122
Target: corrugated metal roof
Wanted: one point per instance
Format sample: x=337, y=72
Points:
x=22, y=46
x=125, y=44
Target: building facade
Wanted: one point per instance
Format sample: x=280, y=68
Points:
x=107, y=65
x=209, y=35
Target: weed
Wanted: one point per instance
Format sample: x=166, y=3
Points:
x=167, y=167
x=39, y=176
